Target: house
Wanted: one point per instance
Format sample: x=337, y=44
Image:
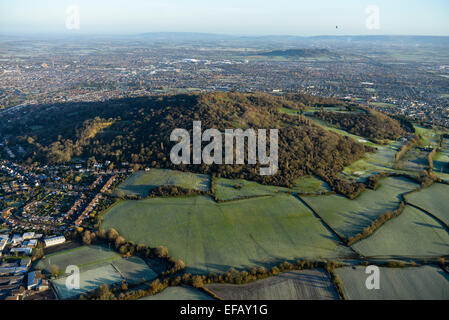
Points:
x=28, y=235
x=34, y=279
x=54, y=241
x=25, y=250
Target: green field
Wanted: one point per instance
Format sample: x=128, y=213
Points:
x=97, y=264
x=423, y=283
x=180, y=293
x=229, y=189
x=434, y=200
x=441, y=161
x=412, y=234
x=83, y=257
x=383, y=104
x=214, y=237
x=350, y=217
x=134, y=270
x=295, y=285
x=370, y=163
x=141, y=182
x=89, y=280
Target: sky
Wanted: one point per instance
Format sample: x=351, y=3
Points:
x=239, y=17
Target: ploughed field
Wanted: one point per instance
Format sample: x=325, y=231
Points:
x=179, y=293
x=294, y=285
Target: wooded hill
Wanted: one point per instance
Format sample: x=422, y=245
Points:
x=137, y=131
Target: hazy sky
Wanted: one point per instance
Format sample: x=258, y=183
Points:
x=292, y=17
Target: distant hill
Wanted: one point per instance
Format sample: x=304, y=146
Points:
x=299, y=53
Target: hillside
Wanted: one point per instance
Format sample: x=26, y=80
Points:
x=299, y=53
x=138, y=131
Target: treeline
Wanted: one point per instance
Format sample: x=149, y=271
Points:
x=232, y=276
x=174, y=191
x=128, y=248
x=406, y=147
x=367, y=123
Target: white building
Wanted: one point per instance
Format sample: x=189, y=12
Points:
x=28, y=235
x=54, y=241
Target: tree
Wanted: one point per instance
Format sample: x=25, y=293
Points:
x=54, y=270
x=161, y=252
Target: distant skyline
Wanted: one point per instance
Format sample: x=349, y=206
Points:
x=244, y=17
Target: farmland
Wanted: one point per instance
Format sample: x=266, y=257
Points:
x=141, y=182
x=412, y=234
x=295, y=285
x=229, y=189
x=179, y=293
x=349, y=217
x=214, y=237
x=441, y=161
x=89, y=280
x=423, y=283
x=83, y=257
x=97, y=264
x=427, y=199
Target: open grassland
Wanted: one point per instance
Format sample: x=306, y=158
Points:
x=180, y=293
x=414, y=160
x=350, y=217
x=370, y=163
x=294, y=285
x=328, y=126
x=423, y=283
x=429, y=137
x=214, y=237
x=98, y=264
x=89, y=280
x=83, y=257
x=134, y=270
x=141, y=182
x=229, y=189
x=441, y=161
x=412, y=234
x=434, y=200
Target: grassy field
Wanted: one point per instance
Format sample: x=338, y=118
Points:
x=225, y=189
x=134, y=270
x=83, y=257
x=423, y=283
x=370, y=163
x=413, y=233
x=141, y=182
x=350, y=217
x=89, y=280
x=295, y=285
x=441, y=161
x=180, y=293
x=383, y=104
x=433, y=200
x=98, y=264
x=214, y=237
